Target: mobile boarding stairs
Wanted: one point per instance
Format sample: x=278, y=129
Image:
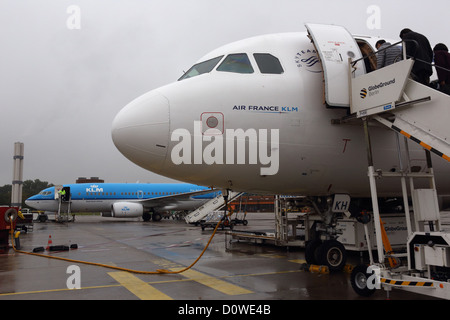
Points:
x=212, y=205
x=420, y=113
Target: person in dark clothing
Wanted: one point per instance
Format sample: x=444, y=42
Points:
x=442, y=59
x=421, y=51
x=387, y=56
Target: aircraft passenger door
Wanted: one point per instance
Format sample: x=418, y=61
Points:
x=140, y=194
x=335, y=45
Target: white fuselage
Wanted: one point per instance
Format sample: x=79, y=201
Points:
x=315, y=157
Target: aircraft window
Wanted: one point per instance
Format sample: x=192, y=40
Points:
x=200, y=68
x=237, y=63
x=267, y=63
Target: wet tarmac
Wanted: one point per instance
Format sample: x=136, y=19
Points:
x=237, y=271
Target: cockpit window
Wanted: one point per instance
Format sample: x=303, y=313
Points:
x=267, y=63
x=238, y=63
x=45, y=193
x=200, y=68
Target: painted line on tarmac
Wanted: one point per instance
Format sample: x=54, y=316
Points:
x=214, y=283
x=204, y=279
x=139, y=288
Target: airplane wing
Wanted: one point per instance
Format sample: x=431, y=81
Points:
x=170, y=200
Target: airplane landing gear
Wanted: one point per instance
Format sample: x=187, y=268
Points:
x=330, y=253
x=156, y=217
x=146, y=216
x=324, y=249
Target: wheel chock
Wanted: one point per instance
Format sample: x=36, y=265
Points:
x=319, y=269
x=313, y=268
x=348, y=268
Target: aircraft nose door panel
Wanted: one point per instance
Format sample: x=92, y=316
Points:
x=141, y=130
x=335, y=45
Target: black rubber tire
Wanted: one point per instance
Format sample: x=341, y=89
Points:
x=311, y=251
x=156, y=217
x=333, y=255
x=358, y=280
x=146, y=216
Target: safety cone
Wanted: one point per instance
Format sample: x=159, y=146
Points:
x=49, y=243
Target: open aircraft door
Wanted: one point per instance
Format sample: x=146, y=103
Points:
x=335, y=45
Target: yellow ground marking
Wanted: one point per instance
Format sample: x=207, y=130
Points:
x=271, y=255
x=56, y=290
x=214, y=283
x=139, y=288
x=301, y=261
x=162, y=261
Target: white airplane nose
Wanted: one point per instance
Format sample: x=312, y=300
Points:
x=141, y=130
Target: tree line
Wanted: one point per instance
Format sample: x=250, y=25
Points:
x=29, y=188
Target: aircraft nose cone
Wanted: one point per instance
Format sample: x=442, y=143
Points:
x=32, y=202
x=140, y=131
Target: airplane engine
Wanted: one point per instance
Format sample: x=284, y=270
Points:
x=126, y=210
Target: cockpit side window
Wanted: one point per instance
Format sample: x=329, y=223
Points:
x=200, y=68
x=237, y=63
x=267, y=63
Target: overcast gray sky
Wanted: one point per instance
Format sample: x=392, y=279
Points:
x=60, y=88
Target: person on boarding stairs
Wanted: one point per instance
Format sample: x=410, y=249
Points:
x=442, y=60
x=419, y=48
x=387, y=56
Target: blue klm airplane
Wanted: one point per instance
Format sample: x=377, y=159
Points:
x=123, y=200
